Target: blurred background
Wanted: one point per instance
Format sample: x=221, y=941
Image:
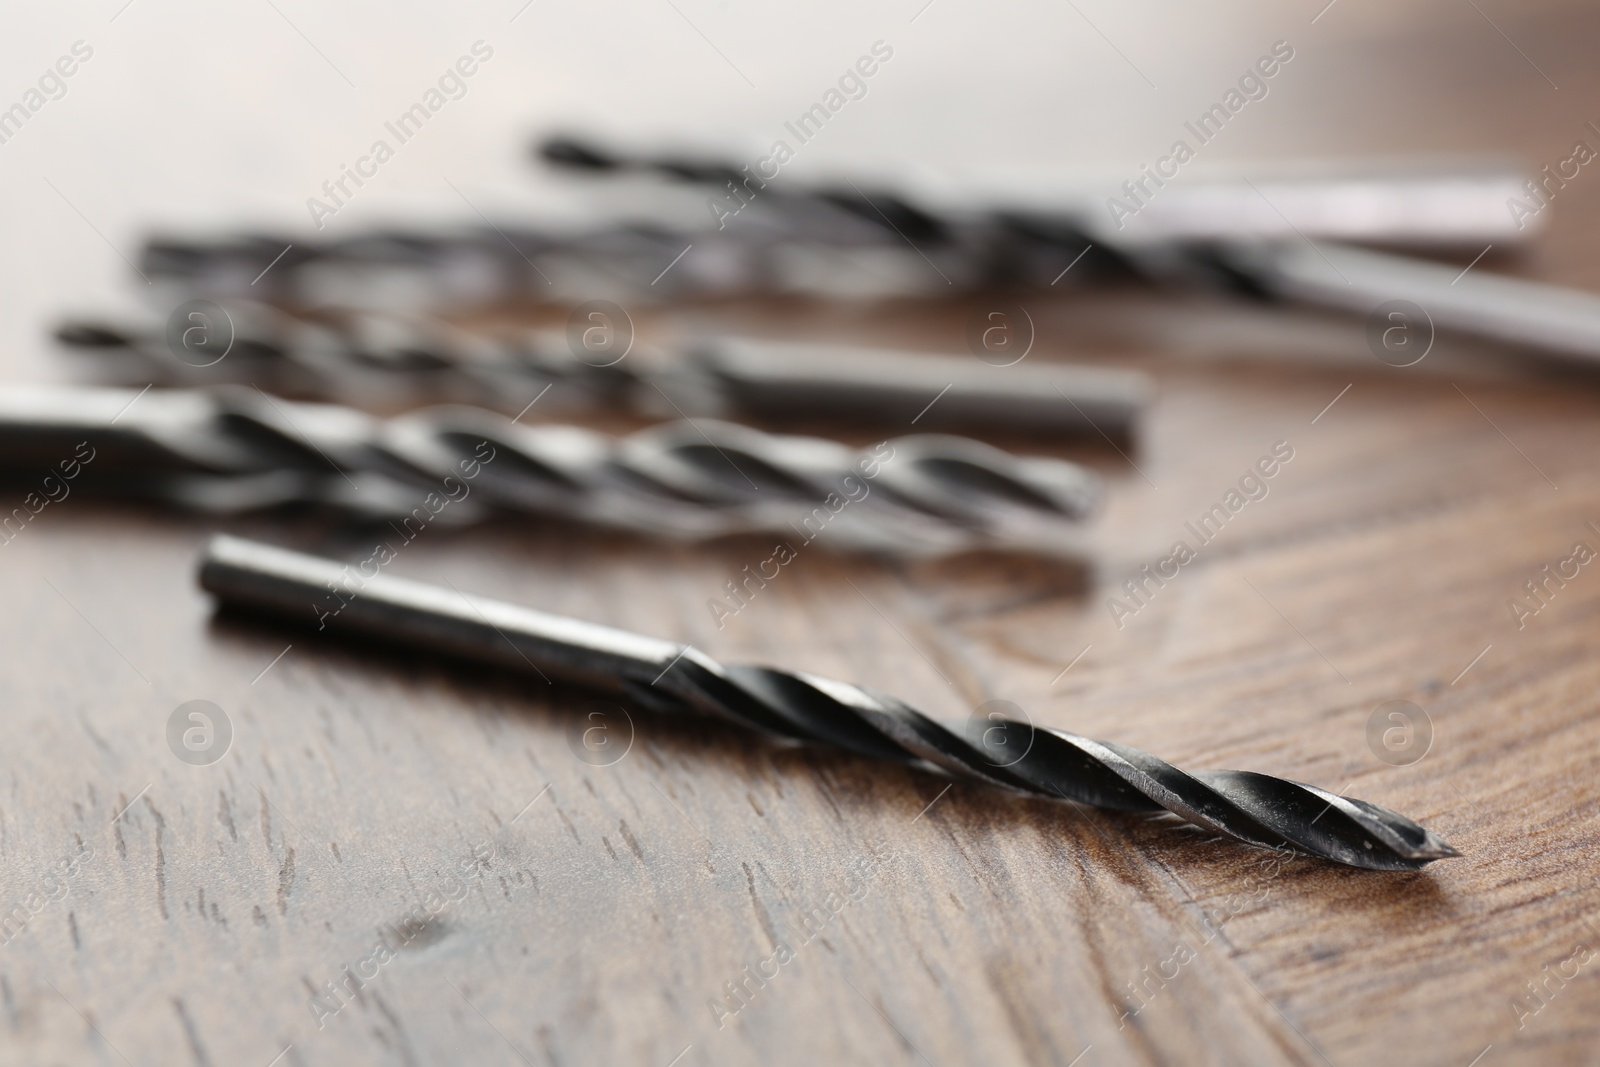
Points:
x=203, y=124
x=196, y=116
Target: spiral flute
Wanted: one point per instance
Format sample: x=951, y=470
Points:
x=425, y=359
x=1256, y=809
x=232, y=450
x=852, y=236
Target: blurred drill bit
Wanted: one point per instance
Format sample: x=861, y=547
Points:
x=386, y=358
x=231, y=450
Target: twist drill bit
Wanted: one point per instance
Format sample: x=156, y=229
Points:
x=1450, y=204
x=233, y=450
x=974, y=233
x=853, y=236
x=1256, y=809
x=369, y=354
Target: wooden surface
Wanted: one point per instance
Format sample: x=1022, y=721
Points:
x=601, y=910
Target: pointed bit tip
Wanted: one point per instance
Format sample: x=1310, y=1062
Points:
x=1435, y=847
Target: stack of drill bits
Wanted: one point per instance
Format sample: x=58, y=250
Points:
x=840, y=242
x=388, y=359
x=1243, y=237
x=1256, y=809
x=232, y=450
x=917, y=235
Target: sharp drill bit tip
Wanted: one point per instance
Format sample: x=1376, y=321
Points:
x=1257, y=809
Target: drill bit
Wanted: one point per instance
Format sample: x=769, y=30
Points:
x=1453, y=203
x=853, y=236
x=233, y=450
x=1234, y=235
x=369, y=354
x=930, y=235
x=1256, y=809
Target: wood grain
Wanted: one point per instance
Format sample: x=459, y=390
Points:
x=535, y=908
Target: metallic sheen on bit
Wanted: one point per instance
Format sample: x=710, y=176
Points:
x=417, y=357
x=1254, y=808
x=234, y=450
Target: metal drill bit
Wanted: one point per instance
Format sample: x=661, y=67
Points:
x=1241, y=235
x=1556, y=322
x=369, y=355
x=230, y=450
x=852, y=236
x=1257, y=809
x=927, y=235
x=778, y=380
x=1457, y=203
